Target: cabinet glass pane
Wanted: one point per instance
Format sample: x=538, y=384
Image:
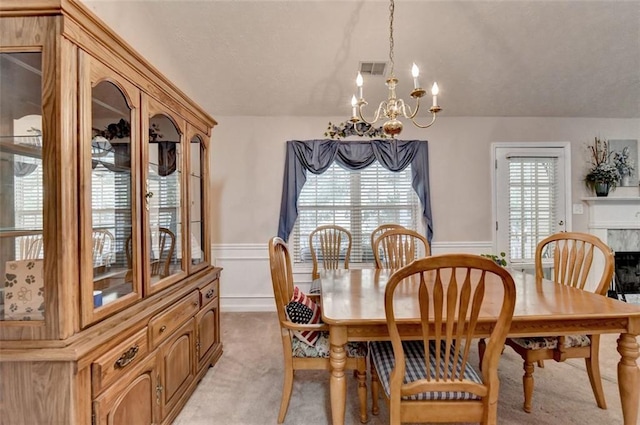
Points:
x=110, y=194
x=22, y=188
x=196, y=209
x=164, y=198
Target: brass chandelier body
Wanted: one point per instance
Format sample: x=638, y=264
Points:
x=393, y=108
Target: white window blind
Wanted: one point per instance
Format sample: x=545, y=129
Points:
x=357, y=200
x=533, y=199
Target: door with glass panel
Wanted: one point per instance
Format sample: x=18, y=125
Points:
x=198, y=201
x=530, y=198
x=22, y=187
x=108, y=241
x=164, y=207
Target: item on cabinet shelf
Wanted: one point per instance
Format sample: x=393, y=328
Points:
x=23, y=290
x=97, y=298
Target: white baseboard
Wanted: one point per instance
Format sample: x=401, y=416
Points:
x=245, y=282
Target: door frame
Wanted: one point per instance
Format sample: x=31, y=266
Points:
x=565, y=146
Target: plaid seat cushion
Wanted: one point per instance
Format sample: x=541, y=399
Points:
x=382, y=356
x=551, y=342
x=321, y=348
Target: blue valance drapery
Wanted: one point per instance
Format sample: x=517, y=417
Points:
x=317, y=156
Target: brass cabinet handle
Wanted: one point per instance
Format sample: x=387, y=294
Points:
x=210, y=293
x=159, y=390
x=163, y=328
x=126, y=357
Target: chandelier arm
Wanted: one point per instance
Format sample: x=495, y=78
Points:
x=381, y=107
x=433, y=120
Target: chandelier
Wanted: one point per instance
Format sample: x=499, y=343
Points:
x=393, y=107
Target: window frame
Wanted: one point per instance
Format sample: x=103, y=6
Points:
x=300, y=267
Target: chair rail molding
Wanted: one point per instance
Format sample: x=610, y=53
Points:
x=248, y=277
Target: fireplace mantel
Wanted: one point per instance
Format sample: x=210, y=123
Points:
x=610, y=212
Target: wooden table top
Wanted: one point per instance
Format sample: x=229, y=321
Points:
x=356, y=296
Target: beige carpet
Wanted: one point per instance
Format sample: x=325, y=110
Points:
x=244, y=387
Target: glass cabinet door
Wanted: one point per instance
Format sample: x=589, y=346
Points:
x=198, y=202
x=22, y=187
x=108, y=238
x=164, y=201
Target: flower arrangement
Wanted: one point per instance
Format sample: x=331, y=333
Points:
x=623, y=163
x=347, y=128
x=602, y=171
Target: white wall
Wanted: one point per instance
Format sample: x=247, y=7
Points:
x=247, y=162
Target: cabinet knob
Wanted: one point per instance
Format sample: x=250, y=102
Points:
x=210, y=293
x=163, y=328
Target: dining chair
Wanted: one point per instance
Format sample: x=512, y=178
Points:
x=396, y=248
x=573, y=255
x=166, y=242
x=381, y=229
x=430, y=379
x=30, y=247
x=103, y=246
x=330, y=244
x=298, y=353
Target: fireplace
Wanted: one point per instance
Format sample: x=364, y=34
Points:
x=616, y=220
x=627, y=271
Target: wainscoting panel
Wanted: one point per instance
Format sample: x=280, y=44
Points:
x=245, y=282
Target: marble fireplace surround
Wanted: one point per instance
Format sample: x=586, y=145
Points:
x=616, y=221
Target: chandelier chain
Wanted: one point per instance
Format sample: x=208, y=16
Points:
x=391, y=10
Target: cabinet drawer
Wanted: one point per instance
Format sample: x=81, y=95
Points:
x=209, y=292
x=118, y=361
x=163, y=325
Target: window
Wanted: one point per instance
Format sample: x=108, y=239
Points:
x=357, y=200
x=530, y=198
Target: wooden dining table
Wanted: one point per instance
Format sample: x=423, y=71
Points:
x=353, y=307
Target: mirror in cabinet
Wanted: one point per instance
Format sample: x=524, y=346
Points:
x=22, y=187
x=163, y=202
x=197, y=202
x=107, y=238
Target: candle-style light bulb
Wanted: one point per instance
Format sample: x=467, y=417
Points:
x=434, y=91
x=359, y=83
x=415, y=71
x=354, y=102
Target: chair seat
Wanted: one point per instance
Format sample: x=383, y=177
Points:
x=551, y=342
x=382, y=356
x=321, y=348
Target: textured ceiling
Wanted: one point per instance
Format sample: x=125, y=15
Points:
x=300, y=58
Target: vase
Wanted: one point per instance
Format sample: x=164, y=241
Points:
x=626, y=180
x=602, y=188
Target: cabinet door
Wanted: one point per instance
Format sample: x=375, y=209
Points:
x=177, y=365
x=208, y=332
x=22, y=187
x=131, y=401
x=165, y=209
x=109, y=109
x=198, y=201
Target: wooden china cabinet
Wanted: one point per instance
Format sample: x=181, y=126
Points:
x=109, y=307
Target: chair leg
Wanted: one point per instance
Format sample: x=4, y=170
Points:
x=541, y=364
x=527, y=383
x=482, y=347
x=287, y=388
x=362, y=389
x=593, y=370
x=375, y=387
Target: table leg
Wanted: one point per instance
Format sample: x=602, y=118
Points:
x=629, y=377
x=338, y=383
